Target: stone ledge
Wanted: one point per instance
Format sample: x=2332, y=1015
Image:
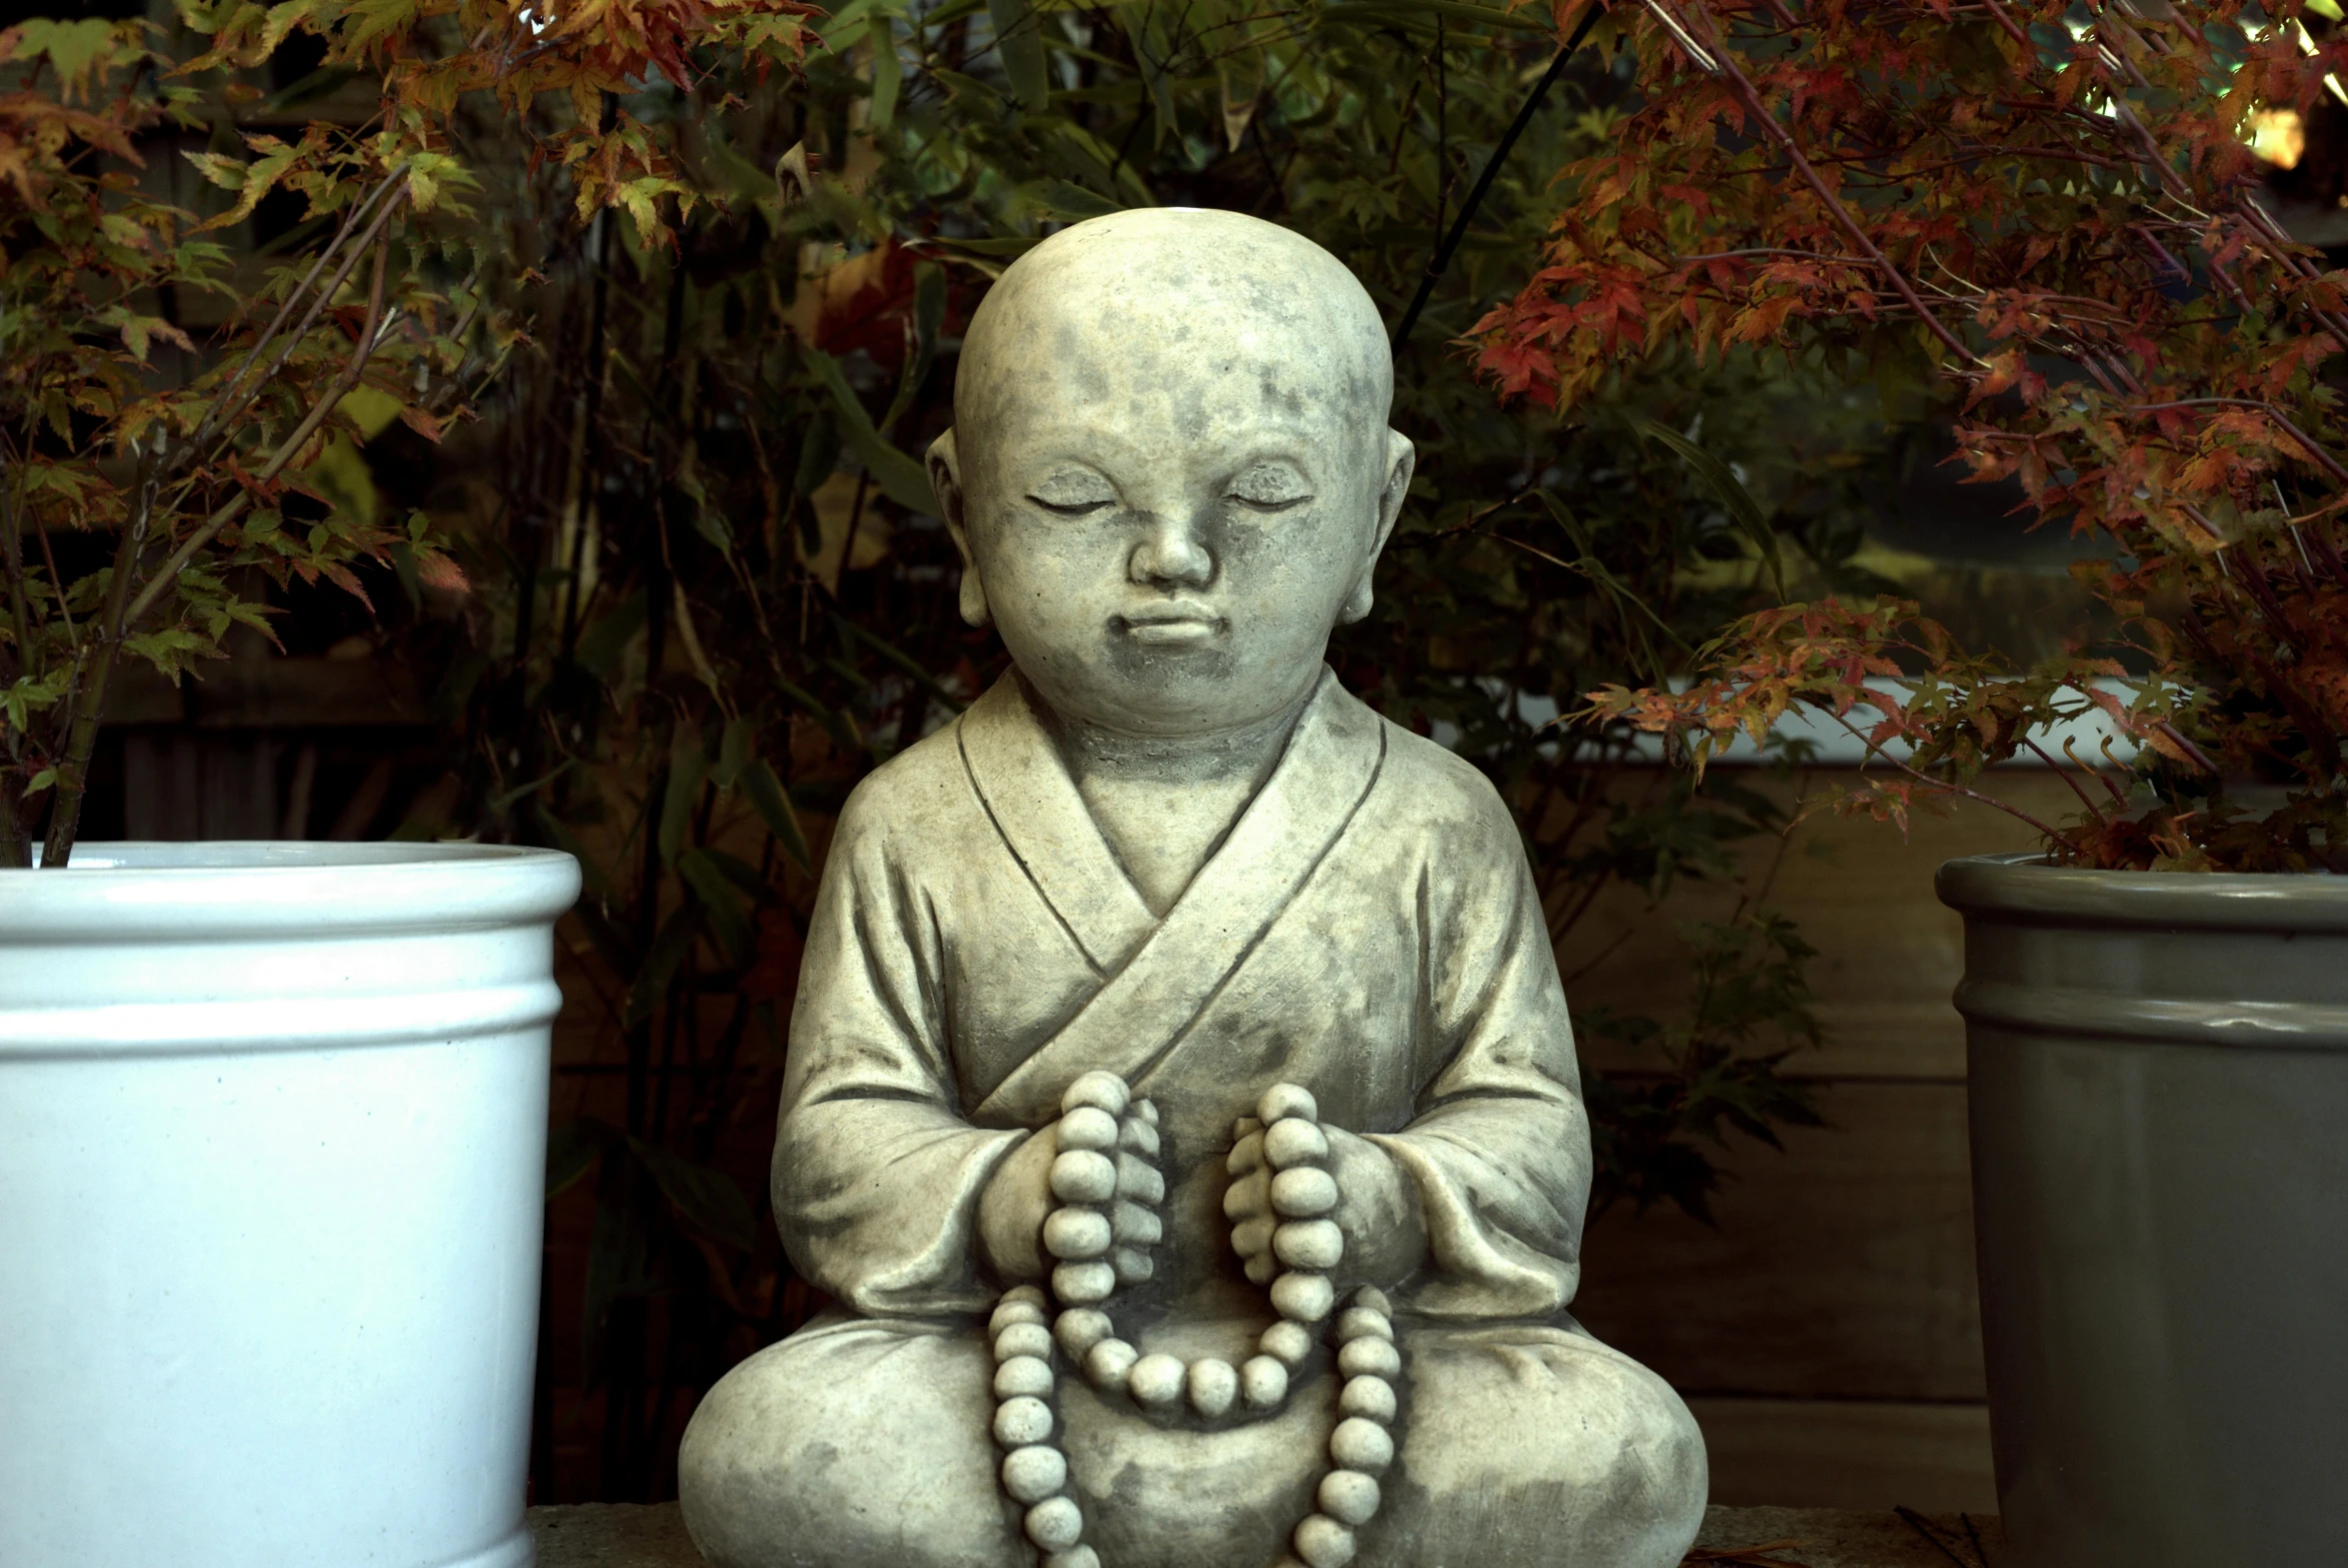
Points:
x=628, y=1535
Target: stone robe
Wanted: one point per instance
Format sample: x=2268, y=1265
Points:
x=1368, y=929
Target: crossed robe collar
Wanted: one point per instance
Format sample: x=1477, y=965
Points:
x=1156, y=975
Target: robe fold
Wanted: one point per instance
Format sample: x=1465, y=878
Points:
x=1367, y=929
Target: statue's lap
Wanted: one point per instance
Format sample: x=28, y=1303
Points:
x=864, y=1444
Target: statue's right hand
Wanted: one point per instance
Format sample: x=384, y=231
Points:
x=1012, y=1208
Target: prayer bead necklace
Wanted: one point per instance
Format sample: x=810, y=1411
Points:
x=1109, y=1189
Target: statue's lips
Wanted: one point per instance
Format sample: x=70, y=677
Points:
x=1170, y=626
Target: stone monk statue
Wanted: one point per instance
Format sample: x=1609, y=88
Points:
x=1181, y=1105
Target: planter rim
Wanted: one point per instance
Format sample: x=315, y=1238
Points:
x=2024, y=887
x=228, y=890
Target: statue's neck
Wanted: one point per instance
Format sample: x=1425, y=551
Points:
x=1166, y=803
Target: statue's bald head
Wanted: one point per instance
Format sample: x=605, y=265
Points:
x=1193, y=294
x=1169, y=472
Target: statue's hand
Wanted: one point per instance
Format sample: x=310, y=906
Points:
x=1349, y=1211
x=1012, y=1208
x=1280, y=1194
x=1106, y=1183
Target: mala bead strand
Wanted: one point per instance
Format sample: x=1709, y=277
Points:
x=1106, y=1177
x=1362, y=1445
x=1034, y=1471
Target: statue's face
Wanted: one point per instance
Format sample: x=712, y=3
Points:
x=1165, y=527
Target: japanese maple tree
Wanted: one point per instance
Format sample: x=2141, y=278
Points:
x=190, y=449
x=2055, y=205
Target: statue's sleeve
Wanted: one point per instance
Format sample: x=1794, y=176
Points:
x=1500, y=1146
x=877, y=1177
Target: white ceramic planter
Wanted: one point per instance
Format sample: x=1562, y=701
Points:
x=272, y=1157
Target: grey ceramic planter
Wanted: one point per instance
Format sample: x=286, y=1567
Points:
x=2159, y=1072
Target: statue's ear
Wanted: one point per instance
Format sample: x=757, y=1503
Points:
x=1401, y=458
x=945, y=478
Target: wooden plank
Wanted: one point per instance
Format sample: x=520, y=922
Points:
x=1889, y=954
x=1841, y=1269
x=270, y=694
x=1800, y=1453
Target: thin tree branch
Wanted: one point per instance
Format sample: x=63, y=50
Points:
x=227, y=405
x=2307, y=442
x=1441, y=259
x=1784, y=138
x=161, y=583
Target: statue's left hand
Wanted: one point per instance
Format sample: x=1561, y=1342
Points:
x=1362, y=1226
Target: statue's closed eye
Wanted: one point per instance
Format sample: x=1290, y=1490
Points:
x=1073, y=495
x=1073, y=509
x=1271, y=486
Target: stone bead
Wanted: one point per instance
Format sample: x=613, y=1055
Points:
x=1011, y=1312
x=1309, y=1243
x=1302, y=1298
x=1074, y=1557
x=1240, y=1200
x=1263, y=1383
x=1295, y=1141
x=1359, y=1323
x=1083, y=1176
x=1101, y=1091
x=1080, y=1329
x=1034, y=1473
x=1372, y=1397
x=1369, y=1358
x=1155, y=1379
x=1081, y=1284
x=1022, y=1421
x=1371, y=1299
x=1137, y=1179
x=1246, y=1157
x=1024, y=1375
x=1149, y=1111
x=1305, y=1192
x=1213, y=1386
x=1263, y=1268
x=1088, y=1128
x=1349, y=1497
x=1252, y=1236
x=1107, y=1362
x=1076, y=1234
x=1024, y=1339
x=1133, y=1265
x=1246, y=1127
x=1024, y=1295
x=1361, y=1444
x=1288, y=1343
x=1135, y=1225
x=1135, y=1135
x=1323, y=1543
x=1055, y=1524
x=1286, y=1099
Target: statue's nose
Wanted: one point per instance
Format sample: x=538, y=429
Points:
x=1171, y=552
